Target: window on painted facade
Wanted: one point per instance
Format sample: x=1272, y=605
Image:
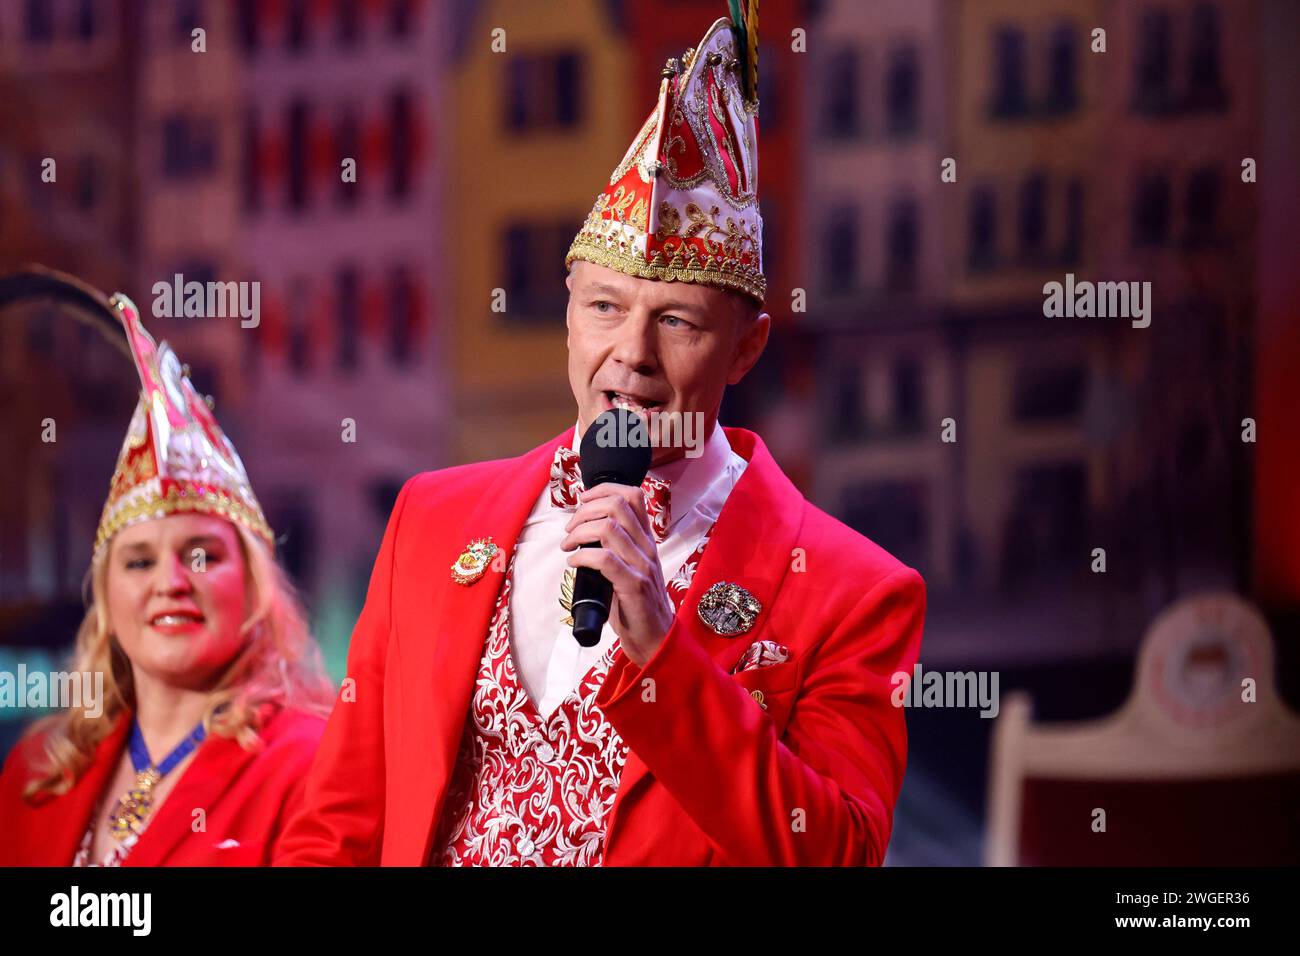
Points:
x=518, y=93
x=250, y=162
x=909, y=400
x=770, y=210
x=769, y=91
x=347, y=316
x=399, y=18
x=894, y=514
x=846, y=420
x=401, y=317
x=202, y=271
x=86, y=185
x=299, y=354
x=248, y=26
x=1010, y=95
x=983, y=229
x=1204, y=81
x=401, y=144
x=533, y=256
x=1202, y=206
x=296, y=25
x=1049, y=393
x=87, y=20
x=1033, y=217
x=1151, y=210
x=568, y=84
x=97, y=397
x=204, y=377
x=383, y=493
x=40, y=198
x=1063, y=69
x=347, y=23
x=1072, y=239
x=1045, y=529
x=544, y=91
x=38, y=22
x=902, y=93
x=901, y=247
x=841, y=110
x=188, y=17
x=41, y=325
x=290, y=514
x=347, y=145
x=1153, y=93
x=189, y=146
x=1192, y=450
x=841, y=252
x=254, y=340
x=297, y=155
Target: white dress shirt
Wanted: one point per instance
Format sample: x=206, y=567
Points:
x=547, y=659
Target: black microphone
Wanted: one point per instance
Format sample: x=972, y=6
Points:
x=616, y=447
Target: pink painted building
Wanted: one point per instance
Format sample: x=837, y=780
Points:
x=347, y=394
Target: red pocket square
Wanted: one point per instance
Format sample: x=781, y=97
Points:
x=761, y=654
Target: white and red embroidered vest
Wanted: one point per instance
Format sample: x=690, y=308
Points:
x=531, y=790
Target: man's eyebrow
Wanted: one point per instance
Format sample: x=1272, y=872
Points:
x=600, y=287
x=603, y=289
x=682, y=307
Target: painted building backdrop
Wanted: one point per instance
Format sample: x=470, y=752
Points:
x=900, y=300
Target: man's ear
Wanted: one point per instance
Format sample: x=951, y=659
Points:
x=568, y=284
x=752, y=342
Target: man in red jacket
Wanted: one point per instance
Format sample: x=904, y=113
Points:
x=737, y=708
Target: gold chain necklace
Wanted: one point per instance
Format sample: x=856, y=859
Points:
x=134, y=805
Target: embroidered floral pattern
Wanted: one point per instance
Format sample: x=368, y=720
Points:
x=681, y=581
x=566, y=485
x=528, y=790
x=761, y=654
x=117, y=852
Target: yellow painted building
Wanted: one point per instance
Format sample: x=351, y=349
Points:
x=1029, y=140
x=539, y=121
x=1025, y=98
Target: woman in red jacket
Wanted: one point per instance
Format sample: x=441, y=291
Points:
x=203, y=695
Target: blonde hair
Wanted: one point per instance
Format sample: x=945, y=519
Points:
x=278, y=667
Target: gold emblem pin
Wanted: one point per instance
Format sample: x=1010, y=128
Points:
x=473, y=561
x=728, y=609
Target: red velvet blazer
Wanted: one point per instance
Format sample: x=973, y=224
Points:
x=711, y=778
x=246, y=796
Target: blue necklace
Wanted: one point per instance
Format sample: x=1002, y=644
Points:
x=135, y=805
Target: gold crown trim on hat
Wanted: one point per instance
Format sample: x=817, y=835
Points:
x=680, y=268
x=184, y=497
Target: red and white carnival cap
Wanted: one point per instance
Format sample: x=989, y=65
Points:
x=175, y=457
x=683, y=204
